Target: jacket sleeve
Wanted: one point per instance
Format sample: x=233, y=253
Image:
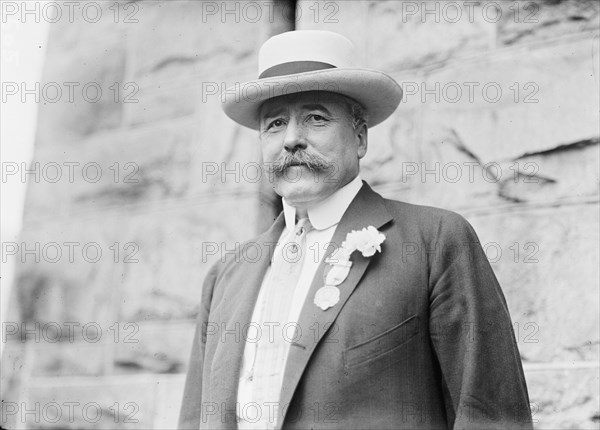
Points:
x=189, y=416
x=472, y=335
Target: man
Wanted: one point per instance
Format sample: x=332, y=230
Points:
x=359, y=312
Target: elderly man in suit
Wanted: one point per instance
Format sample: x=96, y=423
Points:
x=352, y=311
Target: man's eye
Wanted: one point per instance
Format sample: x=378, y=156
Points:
x=275, y=124
x=317, y=118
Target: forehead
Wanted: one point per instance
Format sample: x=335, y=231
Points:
x=311, y=99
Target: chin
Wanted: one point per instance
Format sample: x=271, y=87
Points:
x=305, y=193
x=298, y=192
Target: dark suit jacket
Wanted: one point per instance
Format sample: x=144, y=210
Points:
x=421, y=336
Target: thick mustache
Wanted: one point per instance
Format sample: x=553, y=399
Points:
x=298, y=158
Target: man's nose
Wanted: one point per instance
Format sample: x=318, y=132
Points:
x=294, y=137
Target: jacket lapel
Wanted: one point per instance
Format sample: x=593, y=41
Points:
x=238, y=304
x=366, y=209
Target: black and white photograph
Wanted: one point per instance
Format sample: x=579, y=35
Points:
x=300, y=214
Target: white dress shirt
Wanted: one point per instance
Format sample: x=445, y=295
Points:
x=324, y=218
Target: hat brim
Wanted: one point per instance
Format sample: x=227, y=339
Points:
x=376, y=91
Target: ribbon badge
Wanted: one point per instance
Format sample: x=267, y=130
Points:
x=367, y=241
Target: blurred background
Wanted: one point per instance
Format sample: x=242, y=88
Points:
x=136, y=182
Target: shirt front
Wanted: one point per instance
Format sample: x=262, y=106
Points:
x=324, y=218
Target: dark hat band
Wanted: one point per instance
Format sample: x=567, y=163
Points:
x=294, y=67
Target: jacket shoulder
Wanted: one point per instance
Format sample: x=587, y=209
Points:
x=430, y=221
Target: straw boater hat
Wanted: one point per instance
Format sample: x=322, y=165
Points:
x=311, y=60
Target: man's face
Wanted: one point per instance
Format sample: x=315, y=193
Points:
x=309, y=145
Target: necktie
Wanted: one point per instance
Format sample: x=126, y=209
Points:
x=276, y=331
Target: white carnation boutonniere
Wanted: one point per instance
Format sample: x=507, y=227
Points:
x=368, y=241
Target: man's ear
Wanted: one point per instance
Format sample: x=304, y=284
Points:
x=361, y=135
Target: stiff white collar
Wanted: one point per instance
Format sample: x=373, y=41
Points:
x=329, y=212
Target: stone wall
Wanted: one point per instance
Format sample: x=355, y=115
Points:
x=499, y=122
x=151, y=209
